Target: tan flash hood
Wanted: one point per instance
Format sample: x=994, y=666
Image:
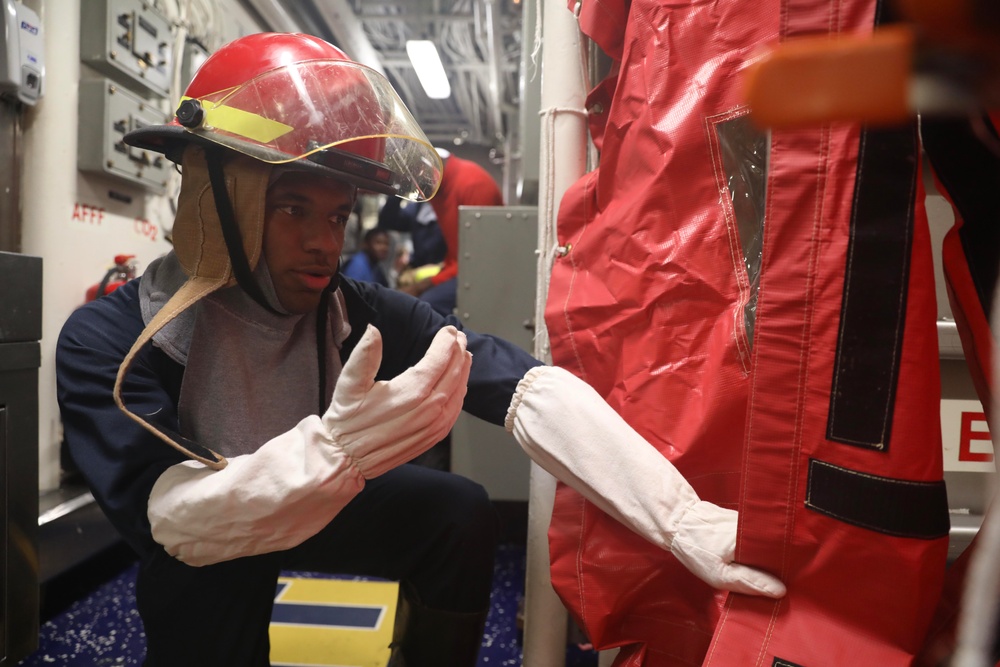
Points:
x=201, y=249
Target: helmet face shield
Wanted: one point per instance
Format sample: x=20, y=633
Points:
x=336, y=113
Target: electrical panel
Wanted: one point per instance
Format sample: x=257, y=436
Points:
x=22, y=64
x=129, y=41
x=107, y=113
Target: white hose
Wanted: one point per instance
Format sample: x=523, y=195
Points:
x=978, y=618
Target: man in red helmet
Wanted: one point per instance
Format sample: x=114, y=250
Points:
x=240, y=409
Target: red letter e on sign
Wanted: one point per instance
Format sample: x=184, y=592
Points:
x=965, y=452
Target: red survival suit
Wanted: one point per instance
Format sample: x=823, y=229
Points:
x=761, y=308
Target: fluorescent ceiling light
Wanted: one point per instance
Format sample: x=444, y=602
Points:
x=427, y=64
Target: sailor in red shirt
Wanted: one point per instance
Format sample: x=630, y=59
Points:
x=463, y=183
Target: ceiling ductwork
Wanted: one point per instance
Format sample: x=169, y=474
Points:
x=479, y=42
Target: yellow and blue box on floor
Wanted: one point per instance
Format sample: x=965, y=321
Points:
x=332, y=622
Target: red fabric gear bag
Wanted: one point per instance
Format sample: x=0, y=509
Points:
x=763, y=312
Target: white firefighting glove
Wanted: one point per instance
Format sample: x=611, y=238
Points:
x=297, y=482
x=381, y=425
x=570, y=431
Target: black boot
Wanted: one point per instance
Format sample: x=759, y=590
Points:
x=424, y=637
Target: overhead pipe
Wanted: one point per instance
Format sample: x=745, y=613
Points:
x=523, y=161
x=349, y=33
x=276, y=16
x=562, y=161
x=494, y=58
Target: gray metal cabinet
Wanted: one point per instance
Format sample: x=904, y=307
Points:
x=496, y=295
x=20, y=331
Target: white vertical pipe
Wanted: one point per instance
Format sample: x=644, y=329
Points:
x=48, y=195
x=562, y=161
x=977, y=624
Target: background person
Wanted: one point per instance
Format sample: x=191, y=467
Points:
x=366, y=264
x=463, y=183
x=419, y=222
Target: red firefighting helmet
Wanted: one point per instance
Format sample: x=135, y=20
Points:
x=297, y=100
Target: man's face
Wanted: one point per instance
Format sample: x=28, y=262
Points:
x=380, y=247
x=304, y=225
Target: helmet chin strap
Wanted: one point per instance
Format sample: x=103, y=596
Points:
x=322, y=317
x=230, y=230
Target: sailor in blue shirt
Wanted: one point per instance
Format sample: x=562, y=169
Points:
x=241, y=408
x=365, y=264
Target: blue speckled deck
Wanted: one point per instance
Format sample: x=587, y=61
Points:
x=104, y=628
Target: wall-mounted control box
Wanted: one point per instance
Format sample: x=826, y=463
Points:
x=129, y=41
x=22, y=63
x=107, y=113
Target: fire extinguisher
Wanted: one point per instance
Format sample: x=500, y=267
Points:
x=116, y=276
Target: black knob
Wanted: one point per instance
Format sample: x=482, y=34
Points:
x=190, y=114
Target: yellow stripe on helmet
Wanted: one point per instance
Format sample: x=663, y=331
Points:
x=242, y=123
